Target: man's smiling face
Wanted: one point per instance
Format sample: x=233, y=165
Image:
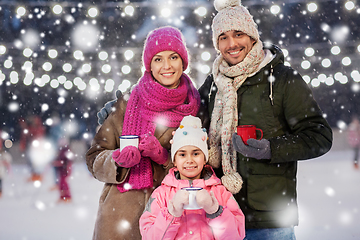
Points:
x=234, y=46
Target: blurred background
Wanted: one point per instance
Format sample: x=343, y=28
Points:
x=61, y=61
x=67, y=58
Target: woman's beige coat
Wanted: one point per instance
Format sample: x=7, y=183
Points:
x=119, y=213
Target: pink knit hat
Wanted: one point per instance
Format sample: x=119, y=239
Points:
x=232, y=16
x=164, y=39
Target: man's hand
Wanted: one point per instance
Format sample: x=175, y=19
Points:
x=259, y=149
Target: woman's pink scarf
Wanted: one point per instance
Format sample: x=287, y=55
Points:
x=150, y=104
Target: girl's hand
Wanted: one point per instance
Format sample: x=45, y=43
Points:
x=176, y=205
x=207, y=201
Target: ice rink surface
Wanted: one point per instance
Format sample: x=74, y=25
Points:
x=328, y=198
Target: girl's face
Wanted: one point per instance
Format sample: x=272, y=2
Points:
x=190, y=161
x=167, y=68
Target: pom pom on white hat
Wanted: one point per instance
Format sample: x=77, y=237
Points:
x=221, y=4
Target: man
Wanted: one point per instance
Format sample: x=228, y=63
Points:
x=251, y=85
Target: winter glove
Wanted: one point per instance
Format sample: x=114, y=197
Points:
x=259, y=149
x=149, y=146
x=207, y=201
x=128, y=157
x=176, y=205
x=107, y=109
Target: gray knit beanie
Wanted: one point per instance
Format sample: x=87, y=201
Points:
x=232, y=16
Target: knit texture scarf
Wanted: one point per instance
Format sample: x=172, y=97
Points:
x=150, y=104
x=224, y=119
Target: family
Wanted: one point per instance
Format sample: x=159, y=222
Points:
x=188, y=141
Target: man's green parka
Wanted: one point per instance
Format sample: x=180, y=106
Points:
x=277, y=100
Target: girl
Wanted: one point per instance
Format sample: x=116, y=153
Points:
x=219, y=216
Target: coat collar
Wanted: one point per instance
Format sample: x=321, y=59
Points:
x=210, y=179
x=274, y=56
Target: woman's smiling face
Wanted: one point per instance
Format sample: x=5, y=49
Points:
x=167, y=68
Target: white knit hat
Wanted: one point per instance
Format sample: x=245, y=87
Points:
x=232, y=16
x=190, y=133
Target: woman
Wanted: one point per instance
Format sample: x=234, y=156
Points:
x=157, y=104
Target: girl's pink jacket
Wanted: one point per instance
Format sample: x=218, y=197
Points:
x=157, y=223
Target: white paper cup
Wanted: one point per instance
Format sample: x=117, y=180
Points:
x=192, y=198
x=129, y=140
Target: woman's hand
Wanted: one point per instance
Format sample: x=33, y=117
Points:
x=149, y=146
x=128, y=157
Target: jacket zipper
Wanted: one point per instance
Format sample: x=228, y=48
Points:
x=212, y=84
x=271, y=80
x=167, y=227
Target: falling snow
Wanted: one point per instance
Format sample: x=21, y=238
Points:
x=91, y=50
x=66, y=60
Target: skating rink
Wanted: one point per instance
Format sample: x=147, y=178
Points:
x=328, y=197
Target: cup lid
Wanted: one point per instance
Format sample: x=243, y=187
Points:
x=192, y=188
x=129, y=136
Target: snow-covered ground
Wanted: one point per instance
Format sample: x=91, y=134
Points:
x=29, y=212
x=328, y=196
